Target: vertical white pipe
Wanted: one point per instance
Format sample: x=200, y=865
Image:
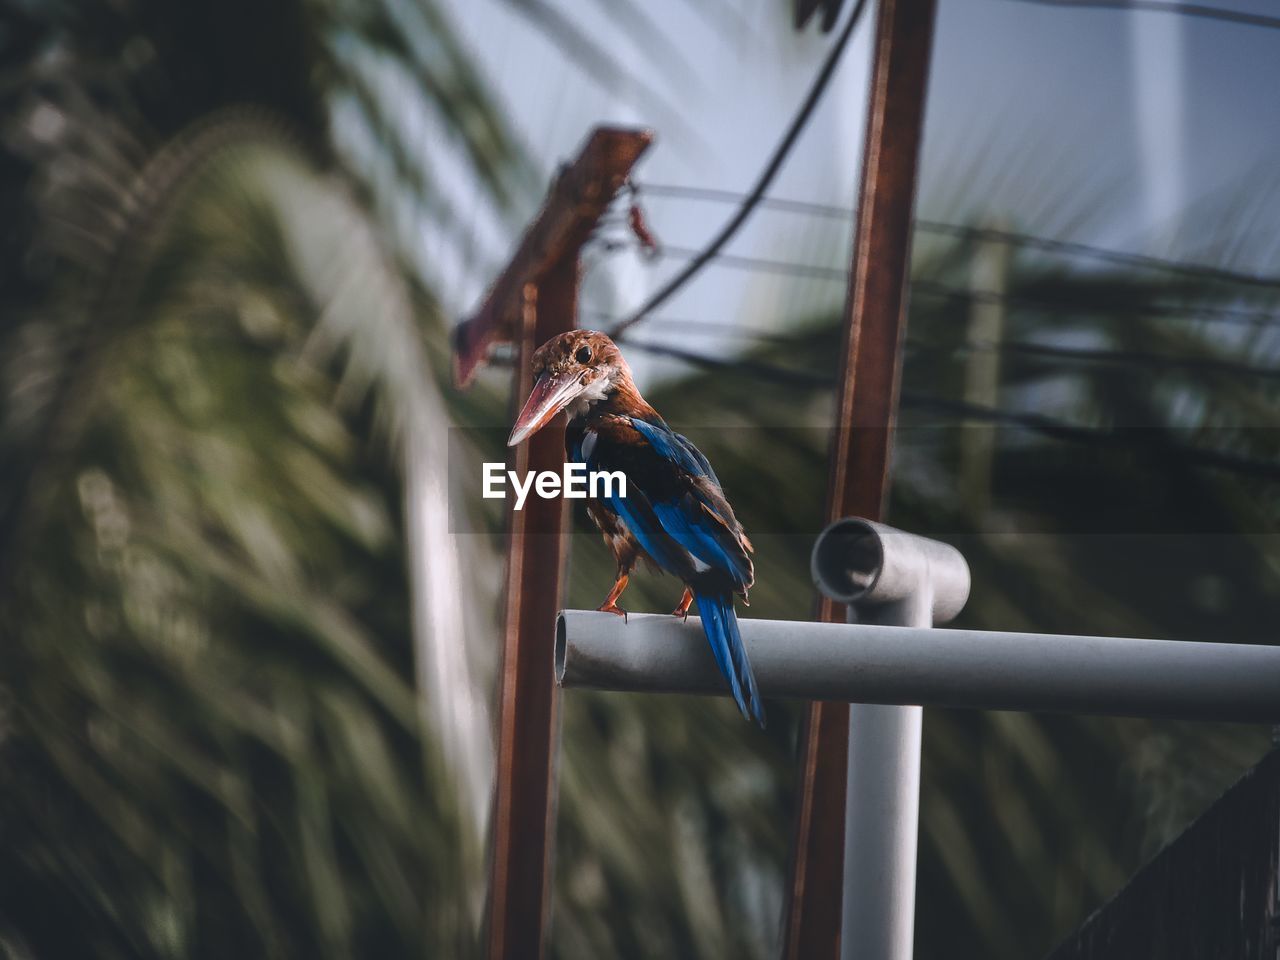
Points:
x=882, y=813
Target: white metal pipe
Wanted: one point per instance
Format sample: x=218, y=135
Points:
x=882, y=806
x=882, y=815
x=869, y=663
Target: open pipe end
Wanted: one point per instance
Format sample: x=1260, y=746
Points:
x=860, y=562
x=847, y=560
x=562, y=645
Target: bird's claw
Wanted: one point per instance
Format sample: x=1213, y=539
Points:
x=614, y=609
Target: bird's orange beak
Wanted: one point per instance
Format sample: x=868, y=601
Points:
x=550, y=395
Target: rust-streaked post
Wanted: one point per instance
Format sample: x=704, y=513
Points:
x=523, y=816
x=866, y=404
x=533, y=299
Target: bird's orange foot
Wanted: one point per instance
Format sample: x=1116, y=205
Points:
x=682, y=608
x=611, y=607
x=610, y=604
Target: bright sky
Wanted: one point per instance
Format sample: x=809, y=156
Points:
x=1094, y=125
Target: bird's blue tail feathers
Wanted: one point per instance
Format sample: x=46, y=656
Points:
x=720, y=624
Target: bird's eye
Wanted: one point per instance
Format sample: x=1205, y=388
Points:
x=583, y=355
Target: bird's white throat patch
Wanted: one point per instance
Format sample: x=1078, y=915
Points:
x=595, y=391
x=573, y=482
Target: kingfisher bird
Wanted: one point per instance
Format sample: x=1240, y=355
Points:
x=674, y=514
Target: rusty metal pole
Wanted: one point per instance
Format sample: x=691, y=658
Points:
x=866, y=405
x=527, y=712
x=532, y=300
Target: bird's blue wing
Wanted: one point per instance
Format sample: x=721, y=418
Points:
x=673, y=447
x=609, y=447
x=691, y=524
x=697, y=454
x=677, y=499
x=676, y=447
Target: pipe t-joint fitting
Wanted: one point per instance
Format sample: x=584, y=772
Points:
x=868, y=565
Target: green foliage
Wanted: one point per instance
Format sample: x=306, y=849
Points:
x=215, y=405
x=217, y=721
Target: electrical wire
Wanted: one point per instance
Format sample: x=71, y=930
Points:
x=690, y=325
x=1018, y=347
x=757, y=264
x=1034, y=422
x=683, y=192
x=1130, y=439
x=1122, y=358
x=1120, y=257
x=1186, y=311
x=756, y=368
x=1070, y=247
x=766, y=177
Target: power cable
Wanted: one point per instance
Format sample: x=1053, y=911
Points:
x=762, y=183
x=1075, y=433
x=756, y=368
x=1126, y=357
x=1018, y=347
x=1036, y=423
x=1188, y=311
x=757, y=264
x=1070, y=247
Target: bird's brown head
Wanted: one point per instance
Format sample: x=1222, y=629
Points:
x=571, y=372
